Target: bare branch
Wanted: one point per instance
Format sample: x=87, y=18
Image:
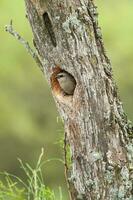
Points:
x=9, y=28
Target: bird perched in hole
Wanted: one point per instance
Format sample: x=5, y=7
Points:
x=66, y=82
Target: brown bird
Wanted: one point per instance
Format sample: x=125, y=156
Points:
x=66, y=82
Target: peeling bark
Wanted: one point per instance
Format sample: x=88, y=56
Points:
x=67, y=35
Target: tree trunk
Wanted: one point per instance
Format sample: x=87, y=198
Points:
x=67, y=37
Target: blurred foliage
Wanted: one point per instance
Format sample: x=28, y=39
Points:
x=33, y=188
x=115, y=19
x=28, y=117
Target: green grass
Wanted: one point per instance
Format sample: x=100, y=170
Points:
x=34, y=188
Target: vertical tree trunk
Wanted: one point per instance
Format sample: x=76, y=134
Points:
x=67, y=36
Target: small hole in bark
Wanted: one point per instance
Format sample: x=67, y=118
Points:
x=49, y=28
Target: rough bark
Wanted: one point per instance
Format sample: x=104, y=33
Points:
x=66, y=34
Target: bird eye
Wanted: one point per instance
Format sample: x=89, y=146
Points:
x=60, y=75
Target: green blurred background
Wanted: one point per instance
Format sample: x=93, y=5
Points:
x=28, y=116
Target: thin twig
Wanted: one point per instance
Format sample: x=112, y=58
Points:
x=9, y=29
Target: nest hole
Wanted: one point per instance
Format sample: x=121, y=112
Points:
x=56, y=87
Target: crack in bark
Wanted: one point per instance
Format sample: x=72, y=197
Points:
x=49, y=28
x=92, y=11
